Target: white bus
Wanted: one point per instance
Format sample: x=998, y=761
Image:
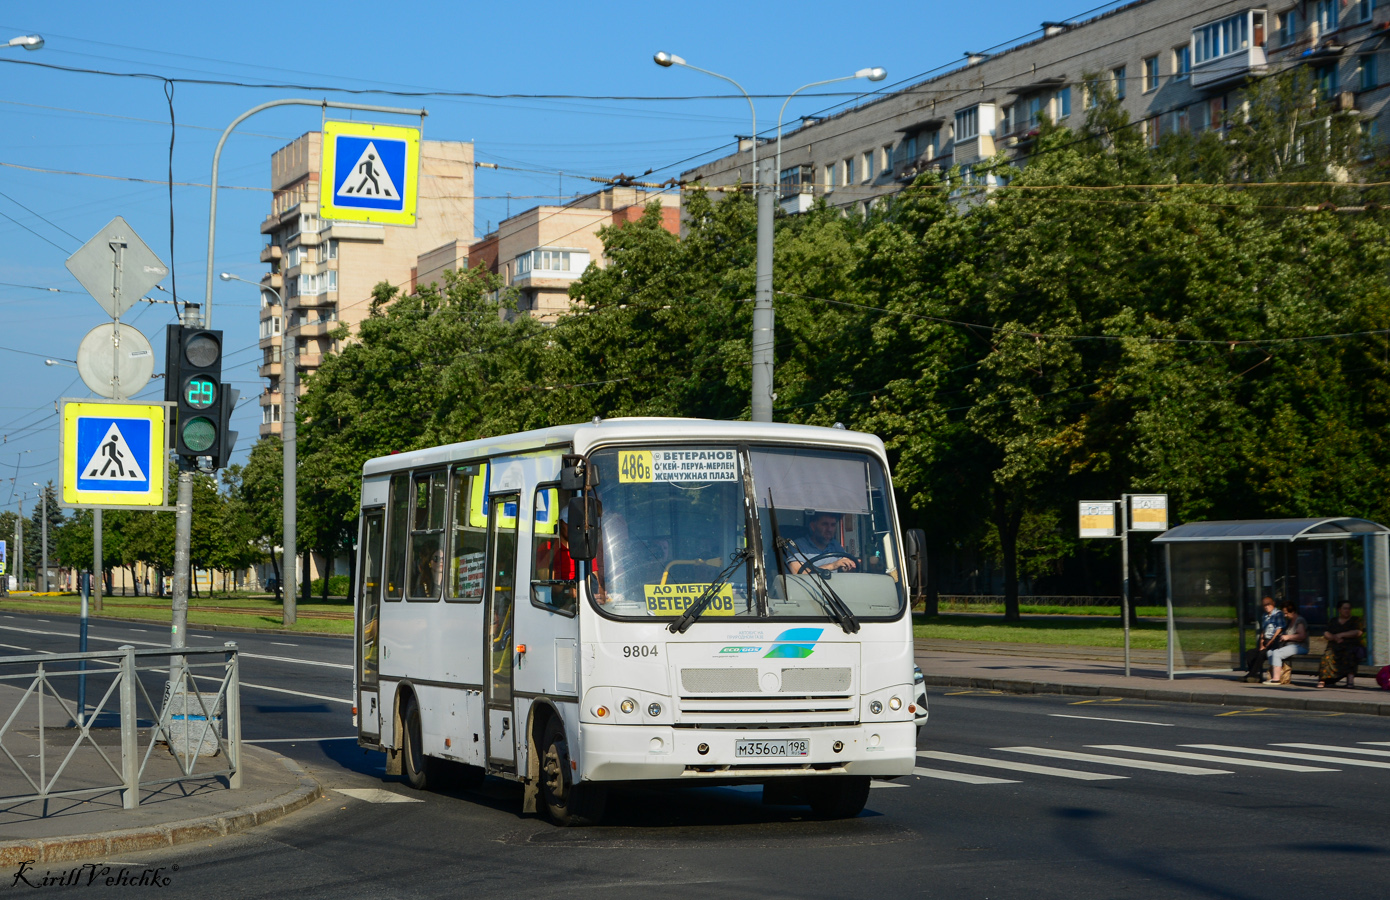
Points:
x=676, y=600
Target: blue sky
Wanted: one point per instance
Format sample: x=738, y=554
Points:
x=78, y=122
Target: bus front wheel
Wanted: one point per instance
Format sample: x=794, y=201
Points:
x=415, y=766
x=567, y=802
x=838, y=796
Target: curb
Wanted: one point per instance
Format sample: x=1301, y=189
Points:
x=153, y=837
x=1174, y=695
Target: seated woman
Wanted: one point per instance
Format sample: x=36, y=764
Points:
x=1295, y=644
x=1343, y=652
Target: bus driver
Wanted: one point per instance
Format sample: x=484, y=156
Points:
x=822, y=539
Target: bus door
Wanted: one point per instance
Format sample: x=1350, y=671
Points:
x=500, y=634
x=369, y=624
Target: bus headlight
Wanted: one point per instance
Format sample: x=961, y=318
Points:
x=876, y=707
x=654, y=710
x=895, y=704
x=627, y=705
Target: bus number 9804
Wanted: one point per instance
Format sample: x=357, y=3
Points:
x=635, y=650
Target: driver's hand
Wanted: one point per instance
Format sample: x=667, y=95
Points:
x=845, y=563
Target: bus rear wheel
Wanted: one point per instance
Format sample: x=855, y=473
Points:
x=838, y=796
x=567, y=802
x=415, y=766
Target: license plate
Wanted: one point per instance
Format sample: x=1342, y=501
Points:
x=772, y=749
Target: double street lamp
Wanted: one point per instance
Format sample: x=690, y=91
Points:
x=763, y=321
x=288, y=396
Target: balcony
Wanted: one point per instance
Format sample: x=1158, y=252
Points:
x=273, y=280
x=269, y=370
x=271, y=252
x=316, y=328
x=799, y=202
x=309, y=360
x=1230, y=69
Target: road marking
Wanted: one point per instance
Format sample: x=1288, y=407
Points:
x=25, y=649
x=1376, y=743
x=302, y=662
x=279, y=690
x=1333, y=749
x=283, y=644
x=288, y=659
x=1206, y=757
x=1285, y=754
x=1103, y=719
x=377, y=795
x=1115, y=761
x=958, y=776
x=886, y=784
x=1017, y=766
x=309, y=740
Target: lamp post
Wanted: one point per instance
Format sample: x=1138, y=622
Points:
x=288, y=397
x=764, y=321
x=19, y=543
x=27, y=41
x=44, y=522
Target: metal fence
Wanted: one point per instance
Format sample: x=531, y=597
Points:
x=186, y=719
x=972, y=600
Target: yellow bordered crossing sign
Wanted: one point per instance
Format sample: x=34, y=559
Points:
x=370, y=173
x=114, y=454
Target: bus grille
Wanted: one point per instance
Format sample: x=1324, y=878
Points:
x=800, y=680
x=734, y=697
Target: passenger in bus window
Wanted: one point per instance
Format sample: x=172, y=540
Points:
x=429, y=567
x=820, y=546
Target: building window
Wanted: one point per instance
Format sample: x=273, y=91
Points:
x=1182, y=62
x=1362, y=10
x=1034, y=112
x=1216, y=113
x=849, y=171
x=832, y=171
x=1064, y=103
x=1327, y=82
x=1119, y=76
x=868, y=171
x=1152, y=131
x=270, y=414
x=1325, y=14
x=1222, y=38
x=1180, y=121
x=968, y=123
x=888, y=160
x=1151, y=74
x=332, y=279
x=1367, y=77
x=1288, y=27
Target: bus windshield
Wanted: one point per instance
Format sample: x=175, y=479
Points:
x=674, y=519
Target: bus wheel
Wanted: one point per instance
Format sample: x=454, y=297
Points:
x=414, y=765
x=838, y=796
x=566, y=802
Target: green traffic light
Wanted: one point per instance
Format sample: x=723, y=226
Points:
x=199, y=434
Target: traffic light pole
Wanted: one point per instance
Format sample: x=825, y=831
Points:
x=289, y=397
x=183, y=534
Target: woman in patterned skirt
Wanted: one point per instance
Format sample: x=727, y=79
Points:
x=1343, y=651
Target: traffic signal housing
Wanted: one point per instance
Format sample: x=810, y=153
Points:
x=193, y=381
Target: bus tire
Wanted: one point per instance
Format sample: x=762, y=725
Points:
x=568, y=803
x=414, y=764
x=838, y=796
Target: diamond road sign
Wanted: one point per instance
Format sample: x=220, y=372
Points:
x=116, y=267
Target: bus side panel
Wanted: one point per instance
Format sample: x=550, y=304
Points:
x=451, y=722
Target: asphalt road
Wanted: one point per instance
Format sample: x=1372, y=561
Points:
x=1016, y=796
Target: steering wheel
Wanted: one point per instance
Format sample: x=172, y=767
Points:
x=832, y=553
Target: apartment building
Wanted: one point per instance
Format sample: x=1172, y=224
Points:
x=324, y=270
x=1175, y=65
x=541, y=251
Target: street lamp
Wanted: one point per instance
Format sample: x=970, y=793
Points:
x=288, y=397
x=27, y=41
x=667, y=60
x=877, y=73
x=44, y=521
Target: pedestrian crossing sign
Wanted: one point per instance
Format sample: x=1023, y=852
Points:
x=370, y=173
x=113, y=454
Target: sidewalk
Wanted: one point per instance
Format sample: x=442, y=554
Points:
x=94, y=826
x=1048, y=669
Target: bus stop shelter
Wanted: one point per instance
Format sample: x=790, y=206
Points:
x=1217, y=572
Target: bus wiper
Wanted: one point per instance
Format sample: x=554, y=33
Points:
x=830, y=601
x=696, y=609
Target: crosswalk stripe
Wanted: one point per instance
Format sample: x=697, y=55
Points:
x=960, y=776
x=1017, y=766
x=1207, y=757
x=1116, y=761
x=1289, y=754
x=1334, y=749
x=1376, y=743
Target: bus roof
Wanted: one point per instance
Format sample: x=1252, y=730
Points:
x=583, y=436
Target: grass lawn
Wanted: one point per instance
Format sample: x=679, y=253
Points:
x=1031, y=609
x=1149, y=634
x=260, y=612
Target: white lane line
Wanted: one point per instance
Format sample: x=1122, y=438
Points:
x=309, y=740
x=1207, y=757
x=886, y=784
x=1104, y=719
x=288, y=659
x=25, y=649
x=1017, y=766
x=139, y=631
x=1333, y=749
x=959, y=776
x=283, y=644
x=279, y=690
x=1376, y=743
x=1287, y=754
x=1116, y=761
x=377, y=795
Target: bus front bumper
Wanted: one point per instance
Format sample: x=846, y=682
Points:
x=650, y=752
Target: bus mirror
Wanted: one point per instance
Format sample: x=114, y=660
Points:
x=576, y=474
x=915, y=546
x=582, y=518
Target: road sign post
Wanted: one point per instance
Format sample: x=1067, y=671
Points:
x=1116, y=519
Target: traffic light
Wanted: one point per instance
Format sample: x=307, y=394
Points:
x=193, y=375
x=224, y=428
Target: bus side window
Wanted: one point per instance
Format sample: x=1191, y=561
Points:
x=397, y=527
x=427, y=535
x=553, y=571
x=468, y=529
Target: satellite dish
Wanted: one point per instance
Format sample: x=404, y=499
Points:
x=115, y=360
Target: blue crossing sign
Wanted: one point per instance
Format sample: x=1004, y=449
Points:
x=113, y=454
x=370, y=173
